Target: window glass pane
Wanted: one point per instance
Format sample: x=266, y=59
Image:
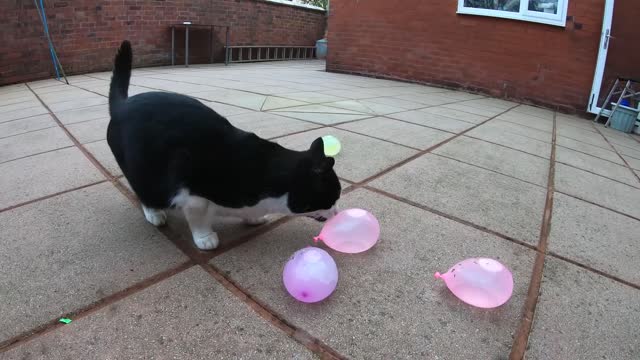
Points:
x=545, y=6
x=504, y=5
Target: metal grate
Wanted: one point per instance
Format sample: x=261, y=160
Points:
x=253, y=53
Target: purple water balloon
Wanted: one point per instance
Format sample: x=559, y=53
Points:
x=310, y=275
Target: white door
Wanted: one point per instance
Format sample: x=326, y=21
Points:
x=605, y=37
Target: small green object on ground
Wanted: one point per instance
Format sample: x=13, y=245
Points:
x=65, y=320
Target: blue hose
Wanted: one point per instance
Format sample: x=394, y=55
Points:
x=46, y=31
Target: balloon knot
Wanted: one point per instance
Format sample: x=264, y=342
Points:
x=316, y=239
x=437, y=275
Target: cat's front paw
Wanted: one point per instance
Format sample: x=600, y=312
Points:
x=207, y=242
x=155, y=216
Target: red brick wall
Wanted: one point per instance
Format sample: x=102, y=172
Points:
x=427, y=41
x=86, y=33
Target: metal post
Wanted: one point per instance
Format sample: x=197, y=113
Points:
x=173, y=45
x=186, y=46
x=250, y=54
x=228, y=52
x=259, y=54
x=268, y=51
x=210, y=44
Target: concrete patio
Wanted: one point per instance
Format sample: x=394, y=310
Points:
x=449, y=175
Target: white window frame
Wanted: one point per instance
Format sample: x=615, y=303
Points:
x=559, y=19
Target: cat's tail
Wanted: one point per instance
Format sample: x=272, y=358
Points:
x=118, y=92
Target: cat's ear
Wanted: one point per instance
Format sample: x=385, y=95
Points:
x=320, y=162
x=317, y=149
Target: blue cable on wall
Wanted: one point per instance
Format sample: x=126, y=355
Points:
x=46, y=32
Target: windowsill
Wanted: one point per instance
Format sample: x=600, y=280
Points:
x=292, y=4
x=513, y=16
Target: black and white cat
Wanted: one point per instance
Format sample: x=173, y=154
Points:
x=177, y=152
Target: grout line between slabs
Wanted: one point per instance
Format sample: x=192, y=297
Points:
x=521, y=339
x=51, y=196
x=626, y=164
x=598, y=205
x=93, y=307
x=428, y=150
x=446, y=216
x=310, y=342
x=36, y=154
x=600, y=175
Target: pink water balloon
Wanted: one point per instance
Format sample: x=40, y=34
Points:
x=310, y=275
x=350, y=231
x=481, y=282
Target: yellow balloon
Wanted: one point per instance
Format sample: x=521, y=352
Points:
x=331, y=145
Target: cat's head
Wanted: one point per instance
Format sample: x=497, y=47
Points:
x=315, y=189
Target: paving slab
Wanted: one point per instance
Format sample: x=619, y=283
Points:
x=429, y=99
x=66, y=252
x=23, y=113
x=312, y=97
x=585, y=136
x=619, y=138
x=83, y=114
x=19, y=106
x=66, y=95
x=593, y=150
x=323, y=118
x=102, y=152
x=498, y=158
x=535, y=111
x=365, y=106
x=527, y=120
x=44, y=174
x=432, y=121
x=89, y=131
x=513, y=128
x=455, y=114
x=597, y=189
x=476, y=110
x=267, y=125
x=319, y=108
x=78, y=103
x=21, y=126
x=232, y=97
x=480, y=196
x=597, y=237
x=274, y=102
x=496, y=134
x=633, y=162
x=627, y=151
x=387, y=304
x=581, y=315
x=566, y=120
x=457, y=95
x=355, y=161
x=189, y=315
x=403, y=133
x=398, y=103
x=16, y=97
x=226, y=110
x=34, y=142
x=596, y=165
x=491, y=103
